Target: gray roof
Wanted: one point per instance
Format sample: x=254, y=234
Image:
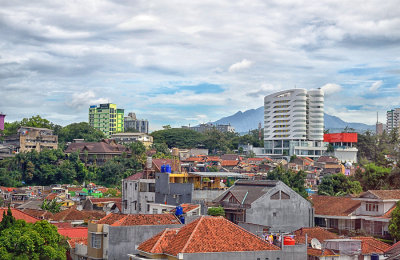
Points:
x=248, y=190
x=32, y=204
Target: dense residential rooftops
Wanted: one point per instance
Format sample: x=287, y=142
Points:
x=225, y=163
x=139, y=219
x=219, y=174
x=320, y=252
x=205, y=234
x=334, y=206
x=72, y=214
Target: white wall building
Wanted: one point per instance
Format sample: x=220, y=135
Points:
x=294, y=123
x=137, y=194
x=392, y=119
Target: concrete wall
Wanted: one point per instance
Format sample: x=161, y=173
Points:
x=287, y=253
x=124, y=240
x=206, y=195
x=285, y=215
x=172, y=193
x=136, y=192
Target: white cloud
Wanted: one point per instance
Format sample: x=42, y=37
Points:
x=376, y=85
x=244, y=64
x=85, y=99
x=398, y=86
x=331, y=88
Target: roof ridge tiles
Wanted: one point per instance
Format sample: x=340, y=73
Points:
x=192, y=234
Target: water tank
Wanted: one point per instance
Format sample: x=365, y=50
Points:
x=149, y=162
x=175, y=152
x=178, y=210
x=288, y=241
x=182, y=219
x=168, y=168
x=163, y=168
x=374, y=257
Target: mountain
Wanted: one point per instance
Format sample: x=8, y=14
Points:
x=249, y=120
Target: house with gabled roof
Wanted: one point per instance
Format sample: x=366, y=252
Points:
x=116, y=235
x=370, y=212
x=213, y=238
x=267, y=203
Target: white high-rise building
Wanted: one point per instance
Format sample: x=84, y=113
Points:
x=392, y=119
x=294, y=123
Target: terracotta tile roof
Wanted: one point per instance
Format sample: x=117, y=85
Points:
x=159, y=162
x=230, y=157
x=75, y=232
x=370, y=245
x=194, y=159
x=135, y=176
x=334, y=206
x=62, y=224
x=205, y=234
x=229, y=163
x=73, y=241
x=102, y=147
x=138, y=219
x=394, y=248
x=327, y=159
x=384, y=194
x=388, y=213
x=314, y=232
x=18, y=214
x=39, y=214
x=51, y=196
x=187, y=207
x=213, y=158
x=319, y=252
x=72, y=214
x=74, y=189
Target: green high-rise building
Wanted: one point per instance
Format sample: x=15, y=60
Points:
x=107, y=118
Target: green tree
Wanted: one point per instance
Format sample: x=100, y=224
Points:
x=80, y=131
x=53, y=206
x=338, y=185
x=394, y=223
x=112, y=192
x=178, y=137
x=372, y=177
x=216, y=211
x=295, y=180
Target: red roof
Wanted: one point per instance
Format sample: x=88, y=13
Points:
x=229, y=163
x=213, y=158
x=72, y=214
x=340, y=137
x=18, y=214
x=205, y=234
x=104, y=200
x=139, y=219
x=135, y=176
x=75, y=232
x=334, y=206
x=159, y=162
x=39, y=214
x=313, y=232
x=384, y=194
x=370, y=245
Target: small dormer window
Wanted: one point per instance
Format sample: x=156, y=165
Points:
x=372, y=206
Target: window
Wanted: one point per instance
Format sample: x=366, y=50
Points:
x=275, y=196
x=285, y=196
x=125, y=204
x=371, y=206
x=95, y=241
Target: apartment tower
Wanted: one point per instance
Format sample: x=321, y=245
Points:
x=392, y=119
x=107, y=118
x=294, y=123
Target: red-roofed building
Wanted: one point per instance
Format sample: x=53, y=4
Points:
x=18, y=214
x=212, y=238
x=115, y=235
x=370, y=212
x=77, y=238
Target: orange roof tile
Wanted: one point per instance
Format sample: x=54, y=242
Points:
x=103, y=200
x=370, y=245
x=75, y=232
x=18, y=214
x=39, y=214
x=205, y=234
x=138, y=219
x=194, y=159
x=313, y=232
x=334, y=206
x=77, y=240
x=74, y=214
x=385, y=194
x=229, y=163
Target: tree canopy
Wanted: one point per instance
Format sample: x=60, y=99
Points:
x=21, y=240
x=394, y=223
x=338, y=185
x=295, y=180
x=80, y=131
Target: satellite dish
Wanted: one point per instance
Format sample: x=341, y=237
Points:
x=316, y=244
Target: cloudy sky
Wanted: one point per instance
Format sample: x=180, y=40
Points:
x=185, y=62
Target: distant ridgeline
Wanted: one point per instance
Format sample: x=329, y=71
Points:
x=249, y=120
